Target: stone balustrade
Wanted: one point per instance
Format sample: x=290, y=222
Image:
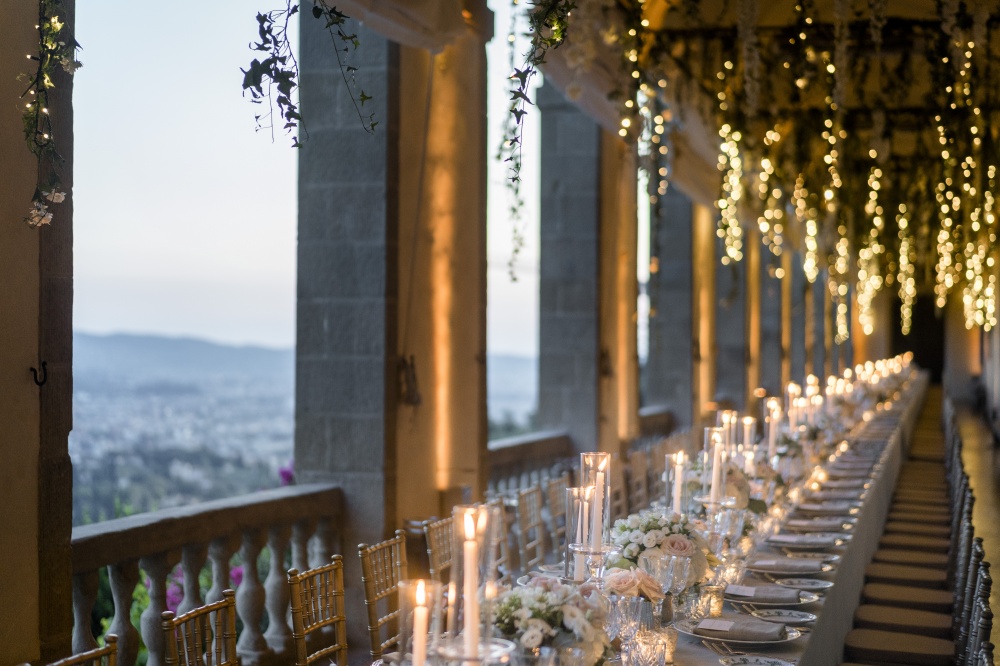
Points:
x=299, y=519
x=518, y=462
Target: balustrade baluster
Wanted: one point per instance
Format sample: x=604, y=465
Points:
x=220, y=551
x=321, y=545
x=278, y=634
x=192, y=562
x=157, y=567
x=251, y=647
x=301, y=531
x=124, y=576
x=84, y=596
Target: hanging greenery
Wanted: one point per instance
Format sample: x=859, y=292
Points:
x=273, y=77
x=56, y=51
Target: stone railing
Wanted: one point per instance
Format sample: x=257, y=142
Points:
x=518, y=462
x=301, y=518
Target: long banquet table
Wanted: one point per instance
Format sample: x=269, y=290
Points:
x=823, y=645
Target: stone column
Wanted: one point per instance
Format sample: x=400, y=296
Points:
x=798, y=349
x=770, y=324
x=619, y=291
x=569, y=317
x=730, y=330
x=704, y=308
x=753, y=251
x=670, y=370
x=819, y=301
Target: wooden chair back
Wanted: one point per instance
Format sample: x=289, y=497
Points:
x=102, y=656
x=555, y=491
x=204, y=636
x=502, y=546
x=619, y=491
x=382, y=567
x=317, y=601
x=440, y=535
x=531, y=528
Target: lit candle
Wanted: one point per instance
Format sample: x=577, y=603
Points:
x=597, y=531
x=748, y=459
x=772, y=429
x=734, y=422
x=420, y=626
x=582, y=524
x=716, y=468
x=749, y=425
x=678, y=480
x=470, y=590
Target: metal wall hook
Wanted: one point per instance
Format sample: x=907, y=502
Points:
x=44, y=373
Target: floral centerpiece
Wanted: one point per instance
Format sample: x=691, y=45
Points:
x=632, y=583
x=545, y=612
x=654, y=534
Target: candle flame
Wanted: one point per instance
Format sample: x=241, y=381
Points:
x=749, y=420
x=470, y=528
x=421, y=594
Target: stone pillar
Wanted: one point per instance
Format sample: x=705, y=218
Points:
x=770, y=324
x=569, y=317
x=36, y=270
x=730, y=330
x=798, y=349
x=786, y=319
x=673, y=354
x=619, y=292
x=820, y=368
x=391, y=266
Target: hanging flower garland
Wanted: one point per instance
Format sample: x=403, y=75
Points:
x=56, y=51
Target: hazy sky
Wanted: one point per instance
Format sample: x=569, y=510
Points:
x=185, y=218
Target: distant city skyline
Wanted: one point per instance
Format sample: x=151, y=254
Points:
x=172, y=235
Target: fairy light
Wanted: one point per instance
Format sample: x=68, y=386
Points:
x=731, y=164
x=907, y=272
x=869, y=276
x=771, y=221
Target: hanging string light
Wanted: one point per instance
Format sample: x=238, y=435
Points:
x=807, y=218
x=869, y=276
x=907, y=271
x=731, y=165
x=771, y=221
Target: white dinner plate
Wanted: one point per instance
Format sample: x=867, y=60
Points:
x=552, y=568
x=805, y=597
x=753, y=660
x=687, y=627
x=783, y=616
x=811, y=584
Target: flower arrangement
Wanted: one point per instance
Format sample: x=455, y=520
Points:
x=737, y=485
x=653, y=534
x=632, y=583
x=547, y=612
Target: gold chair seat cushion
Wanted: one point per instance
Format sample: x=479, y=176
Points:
x=874, y=645
x=913, y=542
x=918, y=528
x=909, y=596
x=916, y=516
x=902, y=574
x=911, y=557
x=891, y=618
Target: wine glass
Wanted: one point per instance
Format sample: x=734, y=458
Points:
x=679, y=569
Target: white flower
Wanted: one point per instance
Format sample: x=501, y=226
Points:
x=651, y=539
x=55, y=197
x=631, y=551
x=70, y=65
x=633, y=521
x=576, y=621
x=532, y=638
x=635, y=536
x=39, y=215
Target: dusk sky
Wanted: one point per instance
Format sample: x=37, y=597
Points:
x=185, y=218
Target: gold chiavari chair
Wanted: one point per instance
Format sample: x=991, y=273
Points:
x=204, y=636
x=102, y=656
x=555, y=490
x=440, y=536
x=382, y=567
x=317, y=601
x=531, y=528
x=638, y=480
x=619, y=491
x=502, y=548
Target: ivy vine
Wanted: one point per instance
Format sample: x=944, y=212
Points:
x=273, y=78
x=56, y=50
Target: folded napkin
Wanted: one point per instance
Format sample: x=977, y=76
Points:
x=844, y=483
x=824, y=495
x=816, y=524
x=790, y=564
x=741, y=629
x=825, y=507
x=768, y=594
x=803, y=540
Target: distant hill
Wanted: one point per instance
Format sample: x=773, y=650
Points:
x=512, y=386
x=152, y=358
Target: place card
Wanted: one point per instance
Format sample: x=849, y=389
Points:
x=716, y=625
x=741, y=590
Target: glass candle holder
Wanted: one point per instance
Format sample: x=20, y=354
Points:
x=472, y=588
x=648, y=649
x=669, y=636
x=595, y=472
x=420, y=606
x=579, y=502
x=732, y=571
x=711, y=596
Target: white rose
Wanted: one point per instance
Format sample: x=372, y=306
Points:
x=650, y=539
x=633, y=521
x=631, y=551
x=635, y=536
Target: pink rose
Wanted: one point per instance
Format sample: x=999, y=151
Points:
x=678, y=544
